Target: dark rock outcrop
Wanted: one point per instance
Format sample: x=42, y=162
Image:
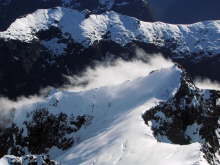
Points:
x=40, y=132
x=30, y=160
x=192, y=115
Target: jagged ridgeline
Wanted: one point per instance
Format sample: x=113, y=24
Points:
x=12, y=9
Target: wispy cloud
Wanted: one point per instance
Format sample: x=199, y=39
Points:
x=107, y=74
x=207, y=84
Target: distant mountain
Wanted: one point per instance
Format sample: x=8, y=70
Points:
x=107, y=125
x=48, y=43
x=12, y=9
x=169, y=11
x=86, y=29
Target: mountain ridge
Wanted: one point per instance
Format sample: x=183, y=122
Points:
x=116, y=123
x=188, y=39
x=13, y=9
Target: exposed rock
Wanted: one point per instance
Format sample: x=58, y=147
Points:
x=40, y=132
x=192, y=115
x=29, y=160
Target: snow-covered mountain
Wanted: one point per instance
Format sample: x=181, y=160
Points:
x=107, y=125
x=159, y=118
x=12, y=9
x=170, y=11
x=200, y=38
x=57, y=41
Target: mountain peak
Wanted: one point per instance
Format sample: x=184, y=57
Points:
x=131, y=117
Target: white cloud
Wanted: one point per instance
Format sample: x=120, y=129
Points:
x=103, y=74
x=207, y=84
x=108, y=74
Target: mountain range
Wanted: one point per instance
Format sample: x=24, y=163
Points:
x=53, y=112
x=57, y=41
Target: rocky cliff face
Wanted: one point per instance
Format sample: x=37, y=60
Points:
x=192, y=115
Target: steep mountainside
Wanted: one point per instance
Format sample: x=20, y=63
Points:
x=48, y=43
x=112, y=127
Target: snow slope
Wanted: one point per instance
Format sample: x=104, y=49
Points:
x=202, y=37
x=117, y=133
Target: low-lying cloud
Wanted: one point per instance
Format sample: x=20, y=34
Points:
x=207, y=84
x=107, y=74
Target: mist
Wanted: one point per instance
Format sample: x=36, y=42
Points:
x=103, y=74
x=207, y=84
x=8, y=108
x=108, y=74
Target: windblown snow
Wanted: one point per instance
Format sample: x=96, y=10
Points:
x=117, y=133
x=194, y=38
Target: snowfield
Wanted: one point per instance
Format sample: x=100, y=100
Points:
x=117, y=134
x=195, y=38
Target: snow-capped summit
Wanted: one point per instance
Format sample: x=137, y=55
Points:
x=106, y=125
x=200, y=38
x=8, y=13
